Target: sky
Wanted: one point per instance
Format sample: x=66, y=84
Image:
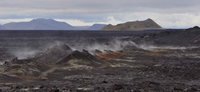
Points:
x=167, y=13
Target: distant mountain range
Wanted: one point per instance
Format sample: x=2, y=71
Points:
x=47, y=24
x=81, y=27
x=38, y=24
x=96, y=26
x=50, y=24
x=135, y=25
x=2, y=28
x=93, y=27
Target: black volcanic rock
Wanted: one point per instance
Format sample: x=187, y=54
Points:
x=176, y=37
x=160, y=70
x=194, y=28
x=96, y=27
x=39, y=24
x=78, y=58
x=84, y=56
x=54, y=54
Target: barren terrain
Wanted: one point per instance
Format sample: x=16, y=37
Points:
x=166, y=61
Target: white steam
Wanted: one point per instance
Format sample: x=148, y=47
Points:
x=114, y=45
x=28, y=52
x=155, y=48
x=23, y=53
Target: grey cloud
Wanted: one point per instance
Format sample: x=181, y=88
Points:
x=99, y=6
x=166, y=12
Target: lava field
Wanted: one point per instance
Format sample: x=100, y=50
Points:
x=166, y=61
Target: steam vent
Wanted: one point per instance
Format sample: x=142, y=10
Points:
x=158, y=62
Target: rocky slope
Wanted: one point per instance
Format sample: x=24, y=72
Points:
x=135, y=25
x=177, y=37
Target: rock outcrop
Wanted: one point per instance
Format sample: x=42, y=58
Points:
x=53, y=54
x=80, y=58
x=175, y=37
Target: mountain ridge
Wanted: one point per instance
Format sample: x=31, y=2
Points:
x=47, y=24
x=133, y=25
x=96, y=27
x=39, y=24
x=2, y=28
x=51, y=24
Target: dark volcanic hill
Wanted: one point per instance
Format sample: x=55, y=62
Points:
x=2, y=28
x=178, y=37
x=39, y=24
x=135, y=25
x=96, y=27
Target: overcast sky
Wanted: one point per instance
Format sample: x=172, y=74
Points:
x=167, y=13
